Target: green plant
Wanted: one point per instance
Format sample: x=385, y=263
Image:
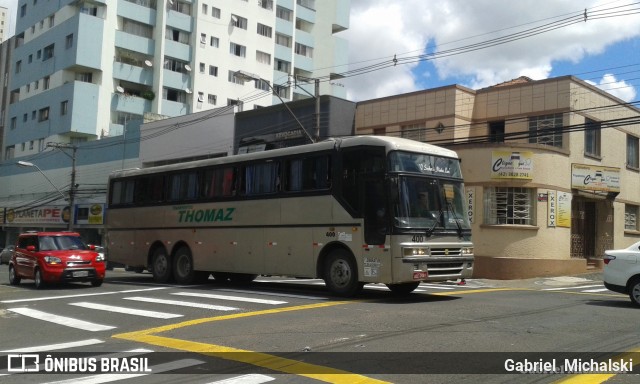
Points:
x=149, y=95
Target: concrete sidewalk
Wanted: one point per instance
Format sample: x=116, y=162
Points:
x=538, y=282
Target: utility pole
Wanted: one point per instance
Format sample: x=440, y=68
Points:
x=72, y=188
x=317, y=92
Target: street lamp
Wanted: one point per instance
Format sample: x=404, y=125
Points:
x=250, y=76
x=30, y=164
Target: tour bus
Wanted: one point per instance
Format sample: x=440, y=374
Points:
x=350, y=211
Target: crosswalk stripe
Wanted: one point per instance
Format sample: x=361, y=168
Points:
x=182, y=303
x=246, y=379
x=266, y=293
x=579, y=287
x=81, y=295
x=231, y=298
x=109, y=377
x=127, y=311
x=53, y=347
x=61, y=320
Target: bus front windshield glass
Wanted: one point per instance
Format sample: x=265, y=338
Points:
x=429, y=203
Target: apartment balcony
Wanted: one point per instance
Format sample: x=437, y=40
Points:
x=180, y=21
x=134, y=43
x=177, y=80
x=175, y=108
x=139, y=10
x=133, y=73
x=130, y=103
x=177, y=50
x=306, y=14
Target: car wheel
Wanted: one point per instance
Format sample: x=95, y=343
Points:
x=183, y=271
x=634, y=291
x=13, y=278
x=341, y=274
x=96, y=283
x=38, y=279
x=161, y=266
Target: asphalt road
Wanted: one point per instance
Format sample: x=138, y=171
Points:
x=293, y=331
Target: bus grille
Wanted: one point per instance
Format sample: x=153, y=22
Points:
x=438, y=269
x=444, y=252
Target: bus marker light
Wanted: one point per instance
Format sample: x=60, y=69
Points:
x=272, y=243
x=317, y=244
x=234, y=243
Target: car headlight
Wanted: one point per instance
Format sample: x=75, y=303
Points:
x=466, y=251
x=52, y=260
x=421, y=251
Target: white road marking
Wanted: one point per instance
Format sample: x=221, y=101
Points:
x=564, y=288
x=109, y=377
x=125, y=310
x=246, y=379
x=82, y=295
x=265, y=293
x=231, y=298
x=182, y=303
x=595, y=290
x=61, y=320
x=53, y=347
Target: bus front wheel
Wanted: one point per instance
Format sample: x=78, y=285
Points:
x=183, y=271
x=161, y=266
x=341, y=274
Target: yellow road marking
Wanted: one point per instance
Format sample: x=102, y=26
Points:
x=265, y=360
x=597, y=378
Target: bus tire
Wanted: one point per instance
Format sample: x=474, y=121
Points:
x=161, y=266
x=183, y=272
x=341, y=273
x=404, y=288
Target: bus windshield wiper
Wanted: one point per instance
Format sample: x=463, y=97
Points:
x=455, y=218
x=435, y=223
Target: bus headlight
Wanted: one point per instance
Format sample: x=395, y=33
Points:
x=422, y=251
x=466, y=251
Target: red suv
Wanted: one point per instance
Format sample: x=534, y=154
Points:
x=49, y=257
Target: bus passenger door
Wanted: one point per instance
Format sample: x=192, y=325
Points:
x=375, y=212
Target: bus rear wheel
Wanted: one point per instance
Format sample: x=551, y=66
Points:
x=183, y=272
x=404, y=288
x=341, y=274
x=161, y=266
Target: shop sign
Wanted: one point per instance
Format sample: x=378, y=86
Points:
x=595, y=178
x=564, y=209
x=511, y=165
x=91, y=214
x=47, y=214
x=471, y=200
x=552, y=208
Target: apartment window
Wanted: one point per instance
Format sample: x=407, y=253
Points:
x=33, y=115
x=40, y=145
x=496, y=131
x=45, y=82
x=174, y=95
x=18, y=66
x=266, y=4
x=200, y=97
x=25, y=117
x=213, y=99
x=282, y=66
x=215, y=12
x=237, y=49
x=64, y=107
x=23, y=10
x=68, y=42
x=311, y=4
x=592, y=137
x=31, y=145
x=239, y=21
x=204, y=8
x=202, y=67
x=263, y=57
x=283, y=40
x=416, y=132
x=232, y=78
x=262, y=85
x=264, y=30
x=36, y=84
x=43, y=114
x=214, y=42
x=28, y=87
x=47, y=52
x=203, y=38
x=136, y=28
x=89, y=9
x=52, y=20
x=39, y=54
x=177, y=35
x=236, y=102
x=14, y=122
x=546, y=130
x=213, y=70
x=282, y=91
x=284, y=13
x=30, y=59
x=633, y=154
x=509, y=205
x=86, y=77
x=631, y=215
x=304, y=50
x=181, y=7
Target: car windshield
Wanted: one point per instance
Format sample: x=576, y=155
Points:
x=60, y=243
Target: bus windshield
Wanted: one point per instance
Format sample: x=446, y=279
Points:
x=428, y=203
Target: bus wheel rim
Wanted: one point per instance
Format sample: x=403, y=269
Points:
x=340, y=273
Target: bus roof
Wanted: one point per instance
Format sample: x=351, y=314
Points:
x=390, y=144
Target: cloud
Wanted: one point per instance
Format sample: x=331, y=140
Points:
x=618, y=88
x=379, y=29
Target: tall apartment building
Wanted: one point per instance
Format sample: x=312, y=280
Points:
x=82, y=70
x=5, y=19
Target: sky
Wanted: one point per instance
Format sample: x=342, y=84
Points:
x=604, y=50
x=553, y=40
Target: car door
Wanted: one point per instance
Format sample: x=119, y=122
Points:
x=26, y=260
